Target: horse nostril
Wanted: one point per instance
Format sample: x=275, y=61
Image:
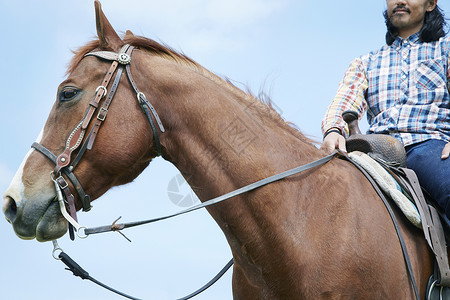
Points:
x=10, y=208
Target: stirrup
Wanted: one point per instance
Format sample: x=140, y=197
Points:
x=436, y=292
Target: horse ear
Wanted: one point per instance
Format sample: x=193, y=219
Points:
x=128, y=35
x=106, y=33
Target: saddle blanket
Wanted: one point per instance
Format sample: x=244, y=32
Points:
x=388, y=184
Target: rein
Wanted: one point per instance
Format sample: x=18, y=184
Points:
x=77, y=270
x=242, y=190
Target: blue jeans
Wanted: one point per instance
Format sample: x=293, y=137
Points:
x=433, y=172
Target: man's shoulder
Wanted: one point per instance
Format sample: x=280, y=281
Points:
x=374, y=54
x=435, y=49
x=445, y=41
x=442, y=43
x=385, y=51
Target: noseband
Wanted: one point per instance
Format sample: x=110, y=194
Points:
x=78, y=140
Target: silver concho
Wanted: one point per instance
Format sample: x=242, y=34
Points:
x=123, y=59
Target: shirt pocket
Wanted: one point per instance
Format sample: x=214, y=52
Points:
x=430, y=74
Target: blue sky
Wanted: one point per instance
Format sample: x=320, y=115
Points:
x=296, y=51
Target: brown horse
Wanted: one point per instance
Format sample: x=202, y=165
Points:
x=322, y=234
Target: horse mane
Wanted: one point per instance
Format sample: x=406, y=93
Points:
x=264, y=104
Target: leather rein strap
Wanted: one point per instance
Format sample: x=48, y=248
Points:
x=242, y=190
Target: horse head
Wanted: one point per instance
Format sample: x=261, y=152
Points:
x=120, y=152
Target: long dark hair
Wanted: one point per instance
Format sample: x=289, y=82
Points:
x=432, y=30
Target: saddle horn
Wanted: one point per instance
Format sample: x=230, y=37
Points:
x=351, y=118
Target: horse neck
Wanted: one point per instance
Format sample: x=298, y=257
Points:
x=221, y=139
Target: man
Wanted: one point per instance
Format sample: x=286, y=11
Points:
x=404, y=89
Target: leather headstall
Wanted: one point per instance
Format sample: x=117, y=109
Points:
x=63, y=163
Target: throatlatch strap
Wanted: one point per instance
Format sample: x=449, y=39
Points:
x=148, y=110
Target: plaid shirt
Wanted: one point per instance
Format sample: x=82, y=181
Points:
x=403, y=88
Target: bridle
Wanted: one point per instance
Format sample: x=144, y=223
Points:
x=78, y=140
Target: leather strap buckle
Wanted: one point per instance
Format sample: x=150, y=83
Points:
x=62, y=182
x=102, y=114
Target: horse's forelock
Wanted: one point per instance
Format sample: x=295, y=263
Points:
x=136, y=41
x=80, y=53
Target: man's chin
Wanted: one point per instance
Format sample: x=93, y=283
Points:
x=400, y=21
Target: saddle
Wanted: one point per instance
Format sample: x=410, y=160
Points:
x=391, y=155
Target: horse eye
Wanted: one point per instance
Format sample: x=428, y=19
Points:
x=68, y=94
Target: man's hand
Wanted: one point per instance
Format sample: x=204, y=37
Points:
x=336, y=141
x=446, y=151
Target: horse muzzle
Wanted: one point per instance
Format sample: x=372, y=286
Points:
x=34, y=219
